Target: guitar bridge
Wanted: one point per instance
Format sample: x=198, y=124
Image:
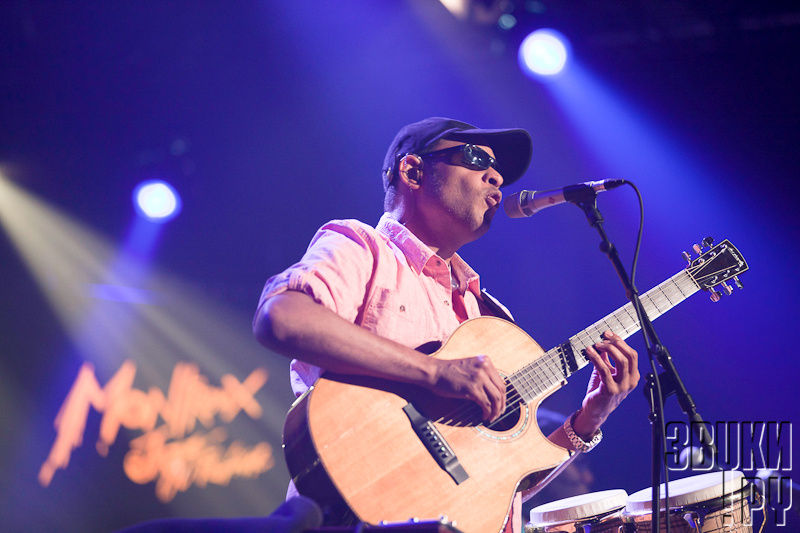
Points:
x=439, y=449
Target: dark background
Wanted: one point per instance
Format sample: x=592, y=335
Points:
x=270, y=118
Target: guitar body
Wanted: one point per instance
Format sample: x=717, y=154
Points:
x=349, y=440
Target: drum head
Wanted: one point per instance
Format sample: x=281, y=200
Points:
x=689, y=491
x=579, y=507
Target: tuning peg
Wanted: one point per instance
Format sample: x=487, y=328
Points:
x=697, y=249
x=715, y=296
x=738, y=283
x=708, y=242
x=686, y=256
x=727, y=289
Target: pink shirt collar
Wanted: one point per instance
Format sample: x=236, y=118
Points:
x=419, y=256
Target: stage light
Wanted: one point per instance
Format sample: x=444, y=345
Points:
x=543, y=53
x=156, y=200
x=506, y=21
x=458, y=8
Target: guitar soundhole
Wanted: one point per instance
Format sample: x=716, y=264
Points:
x=507, y=420
x=511, y=416
x=464, y=413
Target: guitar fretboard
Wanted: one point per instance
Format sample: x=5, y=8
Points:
x=555, y=366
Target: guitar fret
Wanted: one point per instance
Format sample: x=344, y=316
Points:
x=552, y=368
x=649, y=308
x=535, y=378
x=531, y=384
x=621, y=327
x=520, y=385
x=687, y=281
x=582, y=339
x=540, y=375
x=686, y=288
x=536, y=373
x=634, y=321
x=629, y=322
x=665, y=295
x=550, y=375
x=652, y=301
x=560, y=364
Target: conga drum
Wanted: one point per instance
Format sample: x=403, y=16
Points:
x=707, y=503
x=595, y=512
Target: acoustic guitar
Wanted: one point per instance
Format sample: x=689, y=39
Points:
x=387, y=451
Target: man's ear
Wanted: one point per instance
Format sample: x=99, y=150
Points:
x=410, y=171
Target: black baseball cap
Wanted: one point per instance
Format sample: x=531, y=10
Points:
x=512, y=147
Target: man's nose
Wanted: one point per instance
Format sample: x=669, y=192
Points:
x=494, y=177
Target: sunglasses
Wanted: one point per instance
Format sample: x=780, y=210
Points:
x=465, y=155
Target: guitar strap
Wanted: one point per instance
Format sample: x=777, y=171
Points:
x=493, y=304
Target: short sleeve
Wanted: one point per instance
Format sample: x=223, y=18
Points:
x=335, y=270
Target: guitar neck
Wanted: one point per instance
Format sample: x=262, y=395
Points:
x=555, y=366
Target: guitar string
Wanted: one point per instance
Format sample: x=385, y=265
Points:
x=628, y=328
x=544, y=381
x=540, y=381
x=514, y=398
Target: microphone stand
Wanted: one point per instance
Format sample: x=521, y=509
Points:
x=585, y=197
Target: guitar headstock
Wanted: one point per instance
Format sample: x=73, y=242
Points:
x=714, y=267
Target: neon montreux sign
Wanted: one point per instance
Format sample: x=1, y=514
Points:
x=169, y=451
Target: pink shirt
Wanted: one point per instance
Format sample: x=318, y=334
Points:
x=386, y=280
x=383, y=279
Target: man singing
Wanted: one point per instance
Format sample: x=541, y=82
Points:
x=362, y=298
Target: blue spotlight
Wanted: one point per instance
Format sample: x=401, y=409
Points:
x=543, y=53
x=156, y=200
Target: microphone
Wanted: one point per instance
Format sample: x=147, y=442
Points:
x=526, y=203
